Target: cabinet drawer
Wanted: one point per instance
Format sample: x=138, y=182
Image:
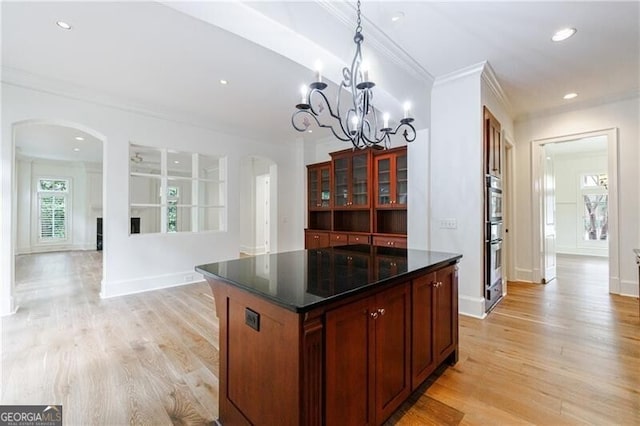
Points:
x=339, y=239
x=358, y=239
x=398, y=242
x=316, y=239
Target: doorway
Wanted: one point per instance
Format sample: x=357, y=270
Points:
x=258, y=198
x=58, y=199
x=575, y=202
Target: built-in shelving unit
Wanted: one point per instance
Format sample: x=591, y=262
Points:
x=366, y=201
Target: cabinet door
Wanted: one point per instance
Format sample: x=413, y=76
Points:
x=313, y=182
x=341, y=196
x=392, y=350
x=349, y=370
x=325, y=187
x=384, y=188
x=319, y=186
x=445, y=311
x=360, y=180
x=401, y=179
x=423, y=357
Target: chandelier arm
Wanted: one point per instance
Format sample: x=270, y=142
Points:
x=408, y=136
x=333, y=114
x=303, y=129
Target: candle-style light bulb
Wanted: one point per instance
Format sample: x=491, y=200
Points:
x=354, y=121
x=303, y=93
x=407, y=109
x=365, y=71
x=386, y=120
x=318, y=67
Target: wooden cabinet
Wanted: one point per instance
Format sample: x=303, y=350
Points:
x=361, y=192
x=390, y=173
x=434, y=321
x=492, y=144
x=351, y=179
x=316, y=239
x=368, y=358
x=319, y=186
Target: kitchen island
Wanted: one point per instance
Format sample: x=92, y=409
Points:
x=331, y=336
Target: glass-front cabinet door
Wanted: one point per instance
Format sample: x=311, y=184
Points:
x=401, y=179
x=360, y=180
x=319, y=186
x=341, y=181
x=391, y=180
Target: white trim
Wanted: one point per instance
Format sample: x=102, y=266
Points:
x=629, y=288
x=524, y=275
x=461, y=73
x=588, y=251
x=510, y=224
x=471, y=306
x=537, y=155
x=489, y=77
x=144, y=284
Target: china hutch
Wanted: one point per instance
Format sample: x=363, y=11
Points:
x=359, y=197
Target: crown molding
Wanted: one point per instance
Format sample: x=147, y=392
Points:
x=489, y=77
x=39, y=83
x=471, y=70
x=379, y=40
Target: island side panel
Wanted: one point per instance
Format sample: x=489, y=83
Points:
x=259, y=369
x=312, y=369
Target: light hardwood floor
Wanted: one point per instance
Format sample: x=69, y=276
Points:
x=563, y=353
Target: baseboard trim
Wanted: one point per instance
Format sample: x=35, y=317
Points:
x=629, y=288
x=471, y=306
x=524, y=275
x=142, y=285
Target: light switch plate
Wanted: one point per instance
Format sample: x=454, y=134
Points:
x=449, y=223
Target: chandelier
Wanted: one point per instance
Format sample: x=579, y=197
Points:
x=360, y=122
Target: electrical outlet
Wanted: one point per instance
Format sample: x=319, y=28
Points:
x=449, y=223
x=189, y=278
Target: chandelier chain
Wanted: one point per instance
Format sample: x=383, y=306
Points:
x=359, y=22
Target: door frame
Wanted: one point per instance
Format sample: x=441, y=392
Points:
x=508, y=176
x=537, y=176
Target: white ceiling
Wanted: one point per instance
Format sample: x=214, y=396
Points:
x=595, y=144
x=57, y=143
x=155, y=58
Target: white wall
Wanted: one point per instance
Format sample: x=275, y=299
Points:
x=251, y=168
x=142, y=262
x=81, y=235
x=457, y=181
x=623, y=115
x=569, y=204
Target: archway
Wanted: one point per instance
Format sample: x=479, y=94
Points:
x=45, y=153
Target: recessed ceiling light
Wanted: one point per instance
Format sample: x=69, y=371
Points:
x=570, y=96
x=397, y=16
x=63, y=25
x=76, y=149
x=176, y=162
x=563, y=34
x=224, y=82
x=79, y=138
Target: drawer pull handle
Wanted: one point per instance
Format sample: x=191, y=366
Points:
x=374, y=315
x=381, y=311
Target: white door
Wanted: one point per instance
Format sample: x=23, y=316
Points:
x=262, y=213
x=549, y=212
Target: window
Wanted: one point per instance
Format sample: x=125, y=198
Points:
x=52, y=209
x=595, y=199
x=172, y=191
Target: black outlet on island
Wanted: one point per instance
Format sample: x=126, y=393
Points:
x=252, y=319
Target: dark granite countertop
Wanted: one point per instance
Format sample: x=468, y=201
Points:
x=304, y=279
